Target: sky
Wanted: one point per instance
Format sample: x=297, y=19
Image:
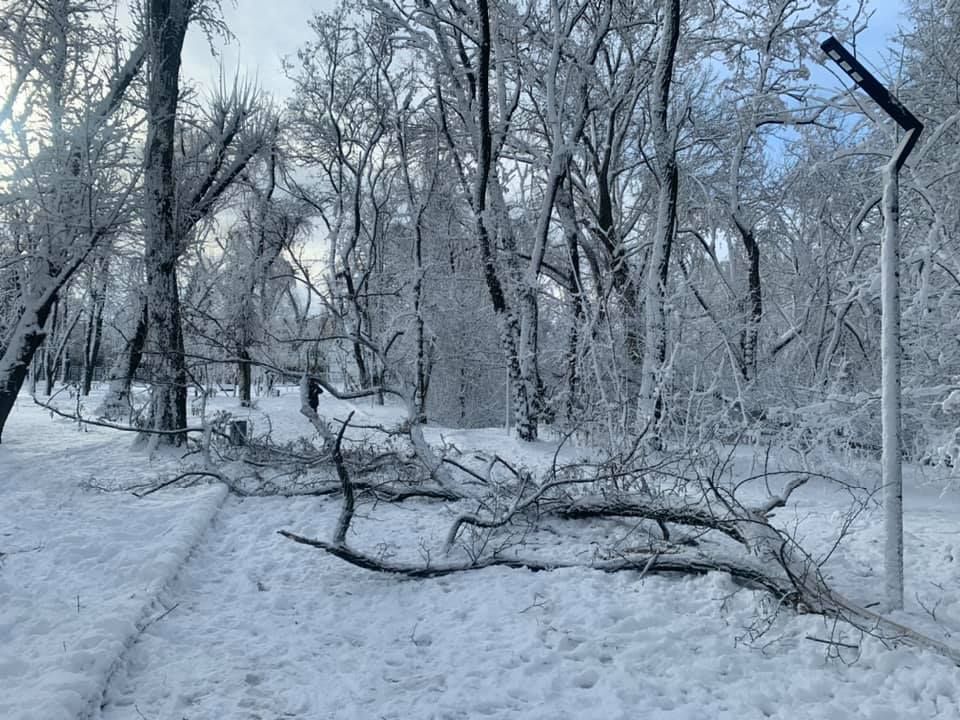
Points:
x=267, y=32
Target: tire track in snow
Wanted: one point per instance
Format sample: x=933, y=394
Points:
x=84, y=568
x=169, y=564
x=230, y=596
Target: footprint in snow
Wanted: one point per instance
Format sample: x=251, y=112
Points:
x=586, y=679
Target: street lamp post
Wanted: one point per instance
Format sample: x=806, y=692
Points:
x=891, y=475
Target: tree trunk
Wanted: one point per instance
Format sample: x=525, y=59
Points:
x=664, y=140
x=94, y=333
x=507, y=321
x=124, y=369
x=65, y=365
x=25, y=341
x=167, y=25
x=28, y=333
x=243, y=376
x=363, y=371
x=565, y=209
x=750, y=337
x=57, y=360
x=50, y=351
x=422, y=366
x=91, y=350
x=168, y=399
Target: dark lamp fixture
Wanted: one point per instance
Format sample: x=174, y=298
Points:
x=870, y=85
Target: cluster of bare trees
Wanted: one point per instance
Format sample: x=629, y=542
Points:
x=639, y=217
x=669, y=221
x=640, y=221
x=108, y=165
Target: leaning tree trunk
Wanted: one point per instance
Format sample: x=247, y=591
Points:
x=28, y=334
x=167, y=26
x=25, y=340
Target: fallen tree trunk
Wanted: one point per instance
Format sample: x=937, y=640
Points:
x=768, y=559
x=785, y=591
x=656, y=564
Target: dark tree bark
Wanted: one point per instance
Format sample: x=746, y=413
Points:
x=125, y=368
x=91, y=352
x=751, y=333
x=243, y=377
x=664, y=142
x=565, y=210
x=94, y=331
x=30, y=334
x=509, y=323
x=167, y=22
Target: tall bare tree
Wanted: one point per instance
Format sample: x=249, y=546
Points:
x=70, y=185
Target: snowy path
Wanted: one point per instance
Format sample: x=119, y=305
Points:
x=260, y=628
x=266, y=629
x=81, y=569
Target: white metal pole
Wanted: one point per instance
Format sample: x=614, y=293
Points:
x=890, y=392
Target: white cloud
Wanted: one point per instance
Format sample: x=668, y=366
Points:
x=264, y=33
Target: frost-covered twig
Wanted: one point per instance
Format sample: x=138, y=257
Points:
x=181, y=476
x=114, y=426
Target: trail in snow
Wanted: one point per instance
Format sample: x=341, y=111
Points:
x=81, y=568
x=266, y=629
x=263, y=629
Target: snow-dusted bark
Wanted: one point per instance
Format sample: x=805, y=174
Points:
x=419, y=201
x=272, y=227
x=507, y=321
x=664, y=142
x=348, y=152
x=214, y=155
x=167, y=22
x=26, y=338
x=486, y=75
x=772, y=41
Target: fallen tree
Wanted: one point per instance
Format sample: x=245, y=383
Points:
x=697, y=524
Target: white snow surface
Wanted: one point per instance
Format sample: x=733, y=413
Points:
x=192, y=607
x=81, y=569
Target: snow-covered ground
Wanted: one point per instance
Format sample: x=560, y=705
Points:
x=187, y=605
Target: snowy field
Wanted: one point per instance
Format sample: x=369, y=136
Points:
x=187, y=605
